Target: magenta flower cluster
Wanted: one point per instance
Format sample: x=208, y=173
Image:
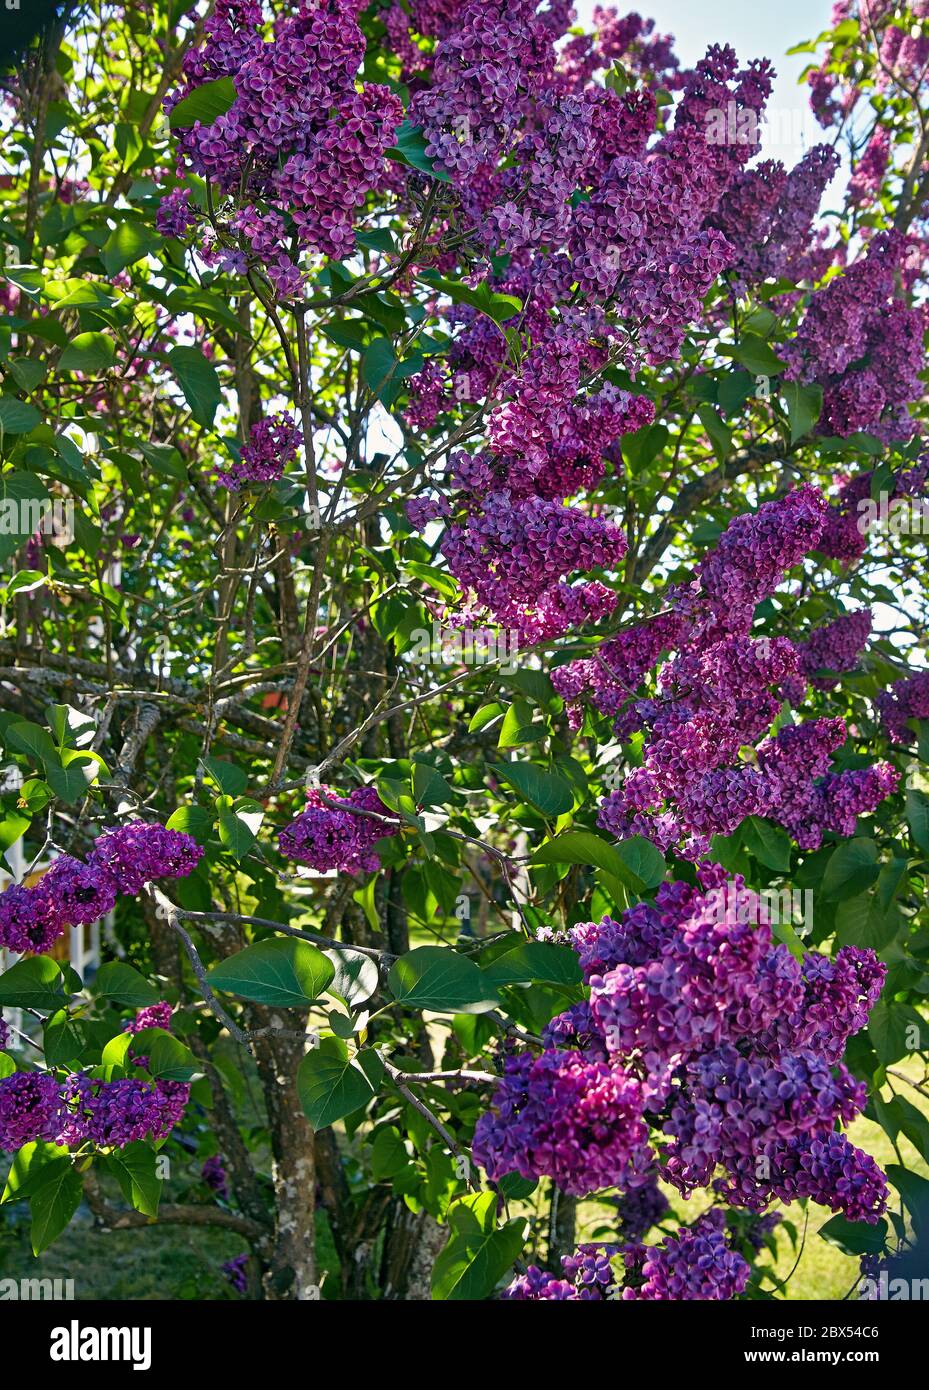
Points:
x=300, y=148
x=697, y=1263
x=35, y=1106
x=706, y=1055
x=835, y=647
x=719, y=696
x=339, y=832
x=72, y=893
x=863, y=345
x=272, y=445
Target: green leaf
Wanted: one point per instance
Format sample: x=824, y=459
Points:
x=410, y=148
x=168, y=1058
x=497, y=307
x=891, y=1028
x=389, y=1158
x=24, y=503
x=53, y=1200
x=128, y=243
x=547, y=791
x=536, y=961
x=27, y=372
x=917, y=817
x=198, y=379
x=331, y=1084
x=124, y=985
x=769, y=844
x=855, y=1237
x=804, y=407
x=17, y=417
x=192, y=820
x=379, y=365
x=720, y=435
x=65, y=1040
x=239, y=824
x=134, y=1168
x=851, y=868
x=438, y=978
x=282, y=971
x=915, y=1193
x=88, y=352
x=204, y=104
x=479, y=1253
x=34, y=983
x=635, y=862
x=26, y=1168
x=230, y=779
x=356, y=976
x=755, y=355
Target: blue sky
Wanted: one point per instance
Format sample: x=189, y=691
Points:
x=756, y=30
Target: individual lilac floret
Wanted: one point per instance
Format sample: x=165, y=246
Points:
x=139, y=852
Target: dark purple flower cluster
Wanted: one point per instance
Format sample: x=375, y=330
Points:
x=302, y=145
x=565, y=1116
x=703, y=1032
x=120, y=1112
x=835, y=647
x=697, y=1263
x=863, y=345
x=331, y=836
x=514, y=553
x=236, y=1271
x=139, y=852
x=152, y=1016
x=719, y=695
x=35, y=1106
x=213, y=1174
x=272, y=445
x=71, y=893
x=31, y=1109
x=906, y=699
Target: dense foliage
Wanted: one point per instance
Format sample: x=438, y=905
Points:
x=463, y=625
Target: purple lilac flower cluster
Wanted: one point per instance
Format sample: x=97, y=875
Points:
x=213, y=1174
x=863, y=345
x=705, y=1034
x=272, y=445
x=72, y=893
x=696, y=1263
x=331, y=836
x=36, y=1106
x=835, y=647
x=906, y=699
x=719, y=695
x=236, y=1271
x=152, y=1016
x=301, y=146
